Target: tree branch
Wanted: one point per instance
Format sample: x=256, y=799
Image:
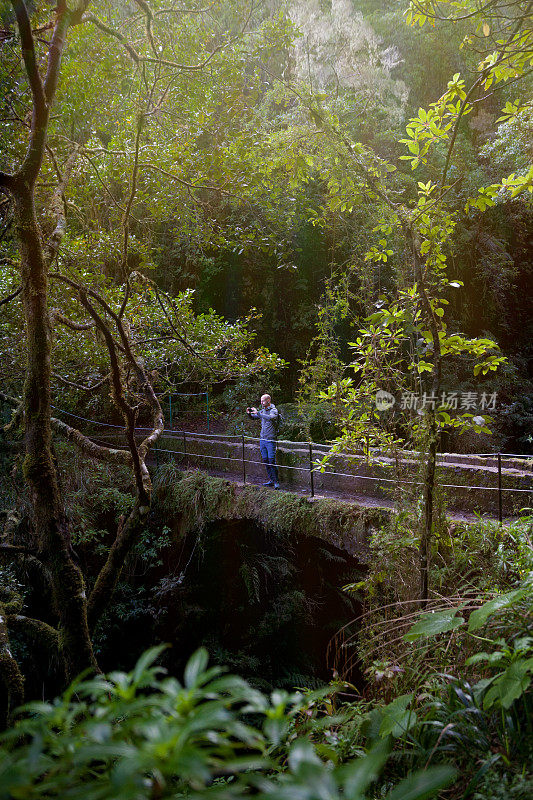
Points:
x=115, y=34
x=131, y=198
x=11, y=296
x=80, y=386
x=39, y=630
x=15, y=550
x=30, y=58
x=57, y=316
x=57, y=207
x=101, y=453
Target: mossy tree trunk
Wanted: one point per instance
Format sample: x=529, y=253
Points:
x=40, y=471
x=10, y=673
x=50, y=524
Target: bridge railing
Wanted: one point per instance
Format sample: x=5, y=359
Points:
x=301, y=466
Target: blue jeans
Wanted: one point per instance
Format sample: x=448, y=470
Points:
x=268, y=454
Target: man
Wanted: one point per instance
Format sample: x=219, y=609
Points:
x=268, y=414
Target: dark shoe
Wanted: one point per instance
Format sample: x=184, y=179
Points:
x=269, y=483
x=276, y=486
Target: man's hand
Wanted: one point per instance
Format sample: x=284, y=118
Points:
x=251, y=410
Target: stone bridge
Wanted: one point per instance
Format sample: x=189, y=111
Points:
x=469, y=483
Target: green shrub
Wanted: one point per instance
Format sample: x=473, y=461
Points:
x=144, y=735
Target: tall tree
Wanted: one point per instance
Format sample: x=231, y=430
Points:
x=150, y=41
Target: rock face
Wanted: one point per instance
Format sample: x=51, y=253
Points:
x=339, y=47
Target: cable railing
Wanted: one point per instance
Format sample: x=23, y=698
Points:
x=313, y=467
x=172, y=432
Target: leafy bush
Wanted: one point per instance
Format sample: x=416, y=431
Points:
x=500, y=786
x=145, y=735
x=485, y=715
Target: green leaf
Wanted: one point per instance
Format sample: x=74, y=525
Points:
x=423, y=784
x=359, y=774
x=433, y=623
x=511, y=684
x=195, y=666
x=396, y=718
x=479, y=617
x=302, y=752
x=146, y=660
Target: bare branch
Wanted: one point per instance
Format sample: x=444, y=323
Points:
x=157, y=59
x=175, y=331
x=115, y=34
x=80, y=386
x=57, y=207
x=107, y=189
x=57, y=316
x=131, y=198
x=15, y=550
x=183, y=182
x=30, y=57
x=11, y=296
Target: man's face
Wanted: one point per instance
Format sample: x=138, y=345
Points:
x=265, y=401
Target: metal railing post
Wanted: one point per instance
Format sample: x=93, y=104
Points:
x=500, y=513
x=186, y=459
x=243, y=462
x=311, y=469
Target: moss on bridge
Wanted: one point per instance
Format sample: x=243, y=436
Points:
x=193, y=499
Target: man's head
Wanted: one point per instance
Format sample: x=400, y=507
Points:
x=265, y=400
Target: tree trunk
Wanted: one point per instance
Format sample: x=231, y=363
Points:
x=109, y=575
x=429, y=492
x=51, y=529
x=10, y=674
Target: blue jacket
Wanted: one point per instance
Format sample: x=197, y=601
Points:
x=269, y=422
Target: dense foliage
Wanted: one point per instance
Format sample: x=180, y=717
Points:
x=186, y=191
x=466, y=718
x=142, y=735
